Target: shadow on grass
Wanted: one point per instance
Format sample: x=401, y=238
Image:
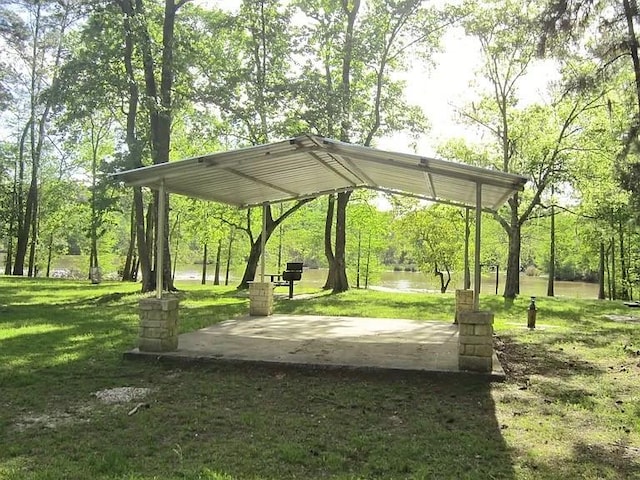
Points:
x=600, y=460
x=211, y=422
x=278, y=423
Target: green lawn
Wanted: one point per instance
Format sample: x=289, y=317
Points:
x=570, y=408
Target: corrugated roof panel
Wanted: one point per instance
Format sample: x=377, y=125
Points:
x=309, y=164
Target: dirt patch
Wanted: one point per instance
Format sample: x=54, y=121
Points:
x=52, y=420
x=82, y=414
x=121, y=394
x=520, y=361
x=623, y=318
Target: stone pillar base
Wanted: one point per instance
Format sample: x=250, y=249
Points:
x=464, y=303
x=475, y=341
x=260, y=299
x=158, y=324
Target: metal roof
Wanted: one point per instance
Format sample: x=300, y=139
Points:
x=309, y=166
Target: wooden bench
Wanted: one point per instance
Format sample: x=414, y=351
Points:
x=292, y=274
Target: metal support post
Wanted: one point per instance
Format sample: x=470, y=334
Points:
x=263, y=240
x=160, y=239
x=477, y=272
x=467, y=279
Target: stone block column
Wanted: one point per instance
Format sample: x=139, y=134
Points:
x=158, y=324
x=260, y=299
x=475, y=341
x=464, y=302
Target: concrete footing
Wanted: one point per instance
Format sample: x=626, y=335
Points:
x=475, y=341
x=260, y=299
x=158, y=324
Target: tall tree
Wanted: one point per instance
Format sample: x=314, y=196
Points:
x=607, y=30
x=251, y=91
x=353, y=50
x=535, y=140
x=35, y=34
x=149, y=52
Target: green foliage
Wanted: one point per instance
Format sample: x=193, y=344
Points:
x=385, y=36
x=273, y=69
x=436, y=237
x=368, y=234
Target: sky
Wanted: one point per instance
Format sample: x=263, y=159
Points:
x=452, y=84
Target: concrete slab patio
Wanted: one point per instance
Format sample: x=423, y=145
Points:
x=324, y=341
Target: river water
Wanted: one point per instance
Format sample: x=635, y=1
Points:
x=417, y=281
x=392, y=280
x=420, y=282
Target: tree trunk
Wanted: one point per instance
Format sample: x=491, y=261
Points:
x=129, y=261
x=252, y=262
x=175, y=249
x=32, y=194
x=366, y=275
x=49, y=255
x=23, y=232
x=467, y=234
x=552, y=253
x=633, y=50
x=341, y=282
x=256, y=246
x=358, y=261
x=18, y=211
x=144, y=260
x=93, y=234
x=160, y=110
x=609, y=290
x=614, y=279
x=601, y=273
x=134, y=149
x=8, y=258
x=624, y=294
x=512, y=282
x=33, y=246
x=37, y=139
x=135, y=268
x=440, y=275
x=226, y=275
x=216, y=277
x=328, y=243
x=205, y=259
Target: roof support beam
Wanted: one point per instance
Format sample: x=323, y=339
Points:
x=177, y=170
x=353, y=168
x=250, y=156
x=260, y=182
x=323, y=162
x=425, y=198
x=303, y=197
x=425, y=167
x=504, y=198
x=429, y=179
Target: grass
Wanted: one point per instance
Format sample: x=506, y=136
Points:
x=570, y=407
